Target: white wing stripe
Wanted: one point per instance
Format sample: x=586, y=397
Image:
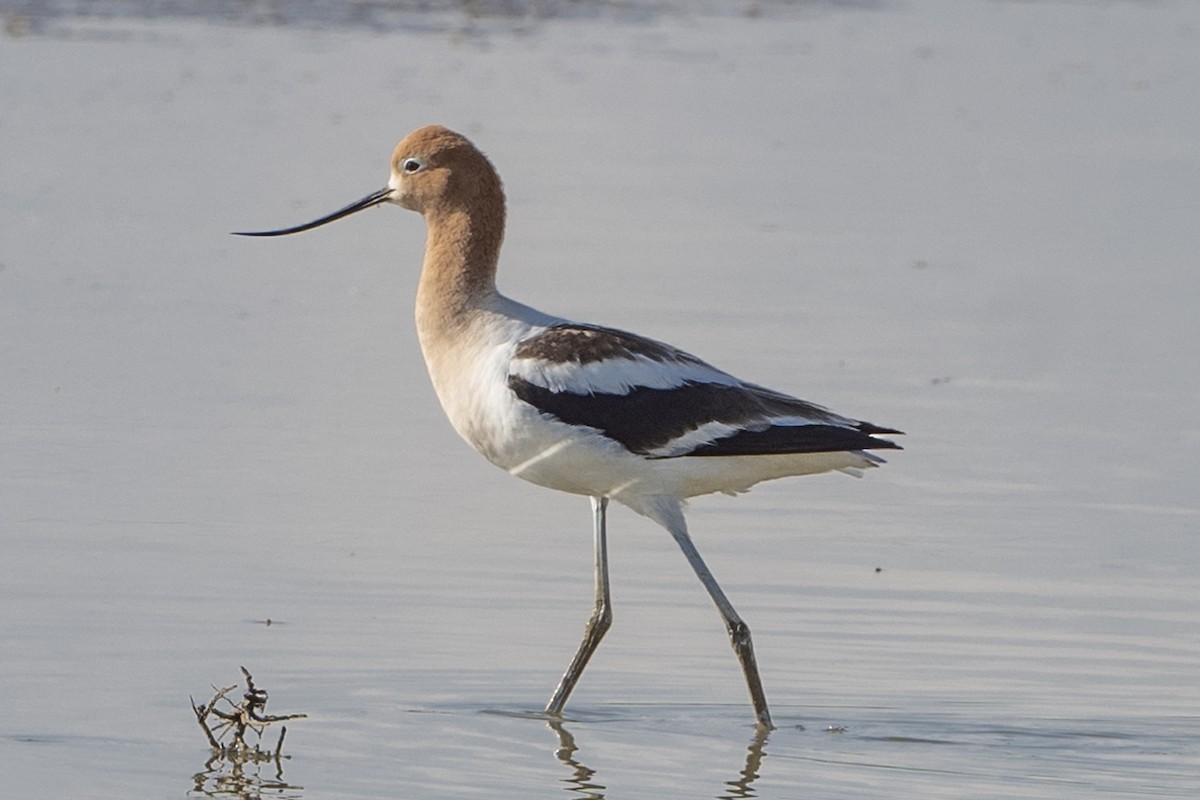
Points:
x=616, y=375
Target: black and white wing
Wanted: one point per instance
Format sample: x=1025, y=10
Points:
x=660, y=402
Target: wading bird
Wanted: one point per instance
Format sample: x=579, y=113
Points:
x=586, y=409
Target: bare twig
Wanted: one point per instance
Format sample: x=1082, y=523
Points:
x=279, y=744
x=249, y=713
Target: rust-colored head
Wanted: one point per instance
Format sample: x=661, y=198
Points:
x=435, y=169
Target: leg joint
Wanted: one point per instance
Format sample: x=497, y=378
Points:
x=739, y=634
x=602, y=617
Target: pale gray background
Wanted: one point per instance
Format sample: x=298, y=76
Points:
x=976, y=221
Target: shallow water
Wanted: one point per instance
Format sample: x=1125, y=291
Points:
x=973, y=221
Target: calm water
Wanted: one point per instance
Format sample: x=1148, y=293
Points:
x=973, y=221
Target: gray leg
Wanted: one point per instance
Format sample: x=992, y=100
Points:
x=739, y=632
x=600, y=620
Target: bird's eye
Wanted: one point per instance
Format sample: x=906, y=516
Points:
x=411, y=165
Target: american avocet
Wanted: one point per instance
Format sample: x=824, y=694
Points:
x=586, y=409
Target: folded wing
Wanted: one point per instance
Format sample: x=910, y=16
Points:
x=661, y=402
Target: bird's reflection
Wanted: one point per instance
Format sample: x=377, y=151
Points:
x=740, y=788
x=581, y=776
x=584, y=784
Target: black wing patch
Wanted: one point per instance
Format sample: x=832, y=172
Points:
x=795, y=439
x=645, y=419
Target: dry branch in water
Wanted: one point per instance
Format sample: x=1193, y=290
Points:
x=249, y=714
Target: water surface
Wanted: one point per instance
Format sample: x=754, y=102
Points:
x=973, y=221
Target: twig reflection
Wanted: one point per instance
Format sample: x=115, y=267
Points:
x=223, y=776
x=582, y=781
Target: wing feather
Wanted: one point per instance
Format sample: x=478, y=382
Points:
x=661, y=402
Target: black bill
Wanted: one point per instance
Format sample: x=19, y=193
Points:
x=370, y=201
